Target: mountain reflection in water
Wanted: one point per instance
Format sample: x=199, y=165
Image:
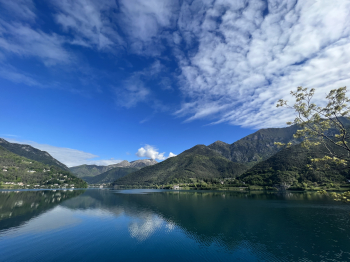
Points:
x=156, y=225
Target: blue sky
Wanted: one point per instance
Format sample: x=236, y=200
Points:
x=101, y=81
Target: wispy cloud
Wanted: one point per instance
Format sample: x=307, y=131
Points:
x=10, y=73
x=17, y=38
x=69, y=157
x=23, y=9
x=236, y=58
x=247, y=60
x=132, y=93
x=135, y=89
x=90, y=23
x=144, y=23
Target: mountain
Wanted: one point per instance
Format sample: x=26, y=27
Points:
x=110, y=175
x=217, y=160
x=255, y=147
x=290, y=166
x=32, y=153
x=94, y=170
x=89, y=170
x=142, y=163
x=198, y=162
x=16, y=168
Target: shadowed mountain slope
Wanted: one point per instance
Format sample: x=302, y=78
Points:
x=290, y=166
x=255, y=147
x=110, y=175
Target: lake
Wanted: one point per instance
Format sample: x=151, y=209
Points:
x=164, y=225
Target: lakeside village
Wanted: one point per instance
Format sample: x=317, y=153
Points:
x=62, y=182
x=226, y=184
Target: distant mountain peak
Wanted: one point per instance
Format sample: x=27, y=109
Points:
x=218, y=142
x=94, y=170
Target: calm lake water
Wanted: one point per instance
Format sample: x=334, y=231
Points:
x=156, y=225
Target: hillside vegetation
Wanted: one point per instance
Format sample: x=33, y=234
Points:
x=218, y=160
x=89, y=170
x=289, y=166
x=32, y=153
x=255, y=147
x=84, y=171
x=252, y=160
x=110, y=175
x=18, y=169
x=199, y=162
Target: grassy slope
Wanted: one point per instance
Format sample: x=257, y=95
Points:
x=198, y=162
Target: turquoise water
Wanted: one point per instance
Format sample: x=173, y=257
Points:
x=156, y=225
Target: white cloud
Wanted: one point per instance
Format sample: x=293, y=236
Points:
x=171, y=155
x=69, y=157
x=150, y=152
x=246, y=61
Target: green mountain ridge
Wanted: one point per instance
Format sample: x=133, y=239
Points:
x=255, y=147
x=32, y=153
x=16, y=168
x=218, y=160
x=198, y=162
x=247, y=158
x=110, y=175
x=89, y=170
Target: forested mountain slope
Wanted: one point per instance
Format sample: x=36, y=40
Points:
x=255, y=147
x=290, y=166
x=110, y=175
x=15, y=168
x=32, y=153
x=198, y=162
